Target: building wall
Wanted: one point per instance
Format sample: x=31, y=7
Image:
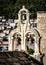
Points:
x=41, y=26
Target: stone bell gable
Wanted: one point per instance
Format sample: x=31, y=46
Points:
x=27, y=28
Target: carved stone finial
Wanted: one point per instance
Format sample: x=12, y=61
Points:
x=23, y=6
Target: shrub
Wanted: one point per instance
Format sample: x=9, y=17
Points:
x=30, y=51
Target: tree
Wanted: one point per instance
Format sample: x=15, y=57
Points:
x=10, y=8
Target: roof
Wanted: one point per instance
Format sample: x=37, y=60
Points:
x=17, y=58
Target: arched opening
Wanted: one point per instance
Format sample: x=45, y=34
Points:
x=17, y=41
x=30, y=43
x=23, y=15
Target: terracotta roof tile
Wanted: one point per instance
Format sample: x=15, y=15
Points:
x=17, y=58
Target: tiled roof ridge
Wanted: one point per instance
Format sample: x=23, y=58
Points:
x=19, y=57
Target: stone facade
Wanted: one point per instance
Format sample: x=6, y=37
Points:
x=41, y=26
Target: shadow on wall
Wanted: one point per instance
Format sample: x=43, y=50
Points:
x=42, y=58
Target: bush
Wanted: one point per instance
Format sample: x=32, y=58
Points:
x=30, y=51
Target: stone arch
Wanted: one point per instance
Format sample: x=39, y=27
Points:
x=13, y=32
x=11, y=45
x=36, y=38
x=22, y=10
x=29, y=40
x=32, y=30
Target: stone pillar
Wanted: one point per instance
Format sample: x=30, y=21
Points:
x=37, y=53
x=19, y=22
x=10, y=43
x=15, y=44
x=22, y=41
x=36, y=46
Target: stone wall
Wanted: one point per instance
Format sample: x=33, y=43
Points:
x=41, y=26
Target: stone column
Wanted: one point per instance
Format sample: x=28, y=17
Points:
x=19, y=22
x=36, y=46
x=37, y=53
x=15, y=44
x=23, y=37
x=10, y=43
x=22, y=41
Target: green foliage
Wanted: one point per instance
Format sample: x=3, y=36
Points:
x=10, y=8
x=30, y=51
